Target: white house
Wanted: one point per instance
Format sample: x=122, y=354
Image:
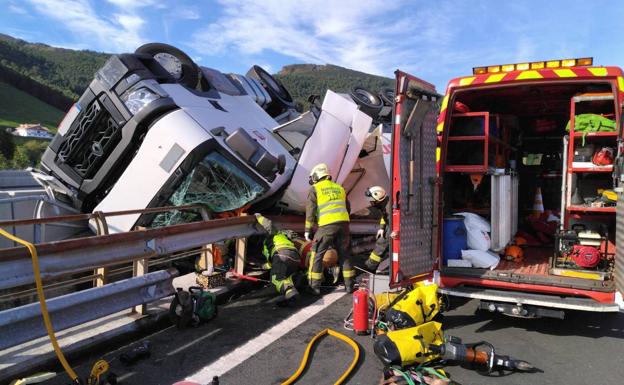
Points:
x=36, y=131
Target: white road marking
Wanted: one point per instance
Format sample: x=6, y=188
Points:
x=242, y=353
x=195, y=341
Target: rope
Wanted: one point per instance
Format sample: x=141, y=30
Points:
x=44, y=308
x=407, y=377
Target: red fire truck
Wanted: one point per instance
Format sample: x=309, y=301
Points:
x=533, y=148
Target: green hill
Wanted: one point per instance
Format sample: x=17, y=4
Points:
x=303, y=80
x=38, y=83
x=18, y=107
x=64, y=70
x=68, y=72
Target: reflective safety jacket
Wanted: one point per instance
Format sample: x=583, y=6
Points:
x=385, y=209
x=279, y=241
x=327, y=204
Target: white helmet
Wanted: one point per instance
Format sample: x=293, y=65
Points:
x=375, y=193
x=319, y=171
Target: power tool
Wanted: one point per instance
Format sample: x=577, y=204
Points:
x=480, y=354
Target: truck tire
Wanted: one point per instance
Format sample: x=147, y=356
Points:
x=369, y=103
x=281, y=100
x=387, y=96
x=189, y=76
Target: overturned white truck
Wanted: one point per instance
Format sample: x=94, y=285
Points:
x=154, y=129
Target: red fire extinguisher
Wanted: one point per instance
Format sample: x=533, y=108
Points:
x=360, y=311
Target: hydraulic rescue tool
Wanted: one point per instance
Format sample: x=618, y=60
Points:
x=426, y=343
x=481, y=354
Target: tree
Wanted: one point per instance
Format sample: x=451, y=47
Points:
x=7, y=145
x=33, y=150
x=20, y=158
x=4, y=163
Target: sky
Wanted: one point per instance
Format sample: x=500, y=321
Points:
x=435, y=40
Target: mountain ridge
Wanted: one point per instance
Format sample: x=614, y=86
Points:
x=58, y=76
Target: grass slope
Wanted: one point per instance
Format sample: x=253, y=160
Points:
x=18, y=107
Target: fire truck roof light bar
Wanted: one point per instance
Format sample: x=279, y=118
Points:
x=586, y=61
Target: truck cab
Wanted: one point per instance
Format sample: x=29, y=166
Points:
x=534, y=150
x=154, y=129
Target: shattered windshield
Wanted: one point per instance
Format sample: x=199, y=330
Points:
x=216, y=183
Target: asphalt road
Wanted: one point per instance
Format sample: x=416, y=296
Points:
x=582, y=349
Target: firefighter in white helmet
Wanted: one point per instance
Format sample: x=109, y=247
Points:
x=380, y=201
x=328, y=207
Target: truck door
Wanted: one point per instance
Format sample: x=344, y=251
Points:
x=414, y=242
x=618, y=176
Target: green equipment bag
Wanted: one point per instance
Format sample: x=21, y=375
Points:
x=192, y=307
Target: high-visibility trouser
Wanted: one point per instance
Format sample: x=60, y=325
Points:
x=336, y=236
x=284, y=264
x=379, y=253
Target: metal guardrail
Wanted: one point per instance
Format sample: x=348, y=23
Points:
x=61, y=258
x=25, y=323
x=92, y=256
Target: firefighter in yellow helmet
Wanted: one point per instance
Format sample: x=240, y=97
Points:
x=379, y=201
x=328, y=207
x=282, y=258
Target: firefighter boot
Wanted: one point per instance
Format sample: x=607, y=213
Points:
x=349, y=285
x=291, y=294
x=314, y=290
x=371, y=265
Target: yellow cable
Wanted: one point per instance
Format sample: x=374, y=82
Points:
x=44, y=308
x=304, y=360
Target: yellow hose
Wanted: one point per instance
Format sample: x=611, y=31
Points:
x=306, y=355
x=44, y=308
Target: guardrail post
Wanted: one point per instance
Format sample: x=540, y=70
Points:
x=140, y=267
x=206, y=258
x=241, y=254
x=101, y=273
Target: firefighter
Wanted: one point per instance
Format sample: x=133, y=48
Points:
x=379, y=200
x=328, y=207
x=282, y=258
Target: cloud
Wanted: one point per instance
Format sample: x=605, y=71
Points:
x=374, y=36
x=116, y=34
x=127, y=4
x=17, y=9
x=186, y=13
x=129, y=22
x=346, y=33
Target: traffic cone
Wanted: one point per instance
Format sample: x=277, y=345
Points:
x=538, y=203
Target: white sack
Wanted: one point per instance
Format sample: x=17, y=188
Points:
x=478, y=240
x=475, y=221
x=481, y=259
x=477, y=229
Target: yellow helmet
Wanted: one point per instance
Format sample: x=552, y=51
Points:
x=376, y=193
x=319, y=171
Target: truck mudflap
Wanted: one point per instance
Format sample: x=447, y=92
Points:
x=531, y=299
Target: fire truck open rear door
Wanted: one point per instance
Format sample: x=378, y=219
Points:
x=414, y=181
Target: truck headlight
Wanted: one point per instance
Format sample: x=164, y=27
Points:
x=139, y=98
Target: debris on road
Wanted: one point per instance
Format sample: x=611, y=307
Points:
x=136, y=354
